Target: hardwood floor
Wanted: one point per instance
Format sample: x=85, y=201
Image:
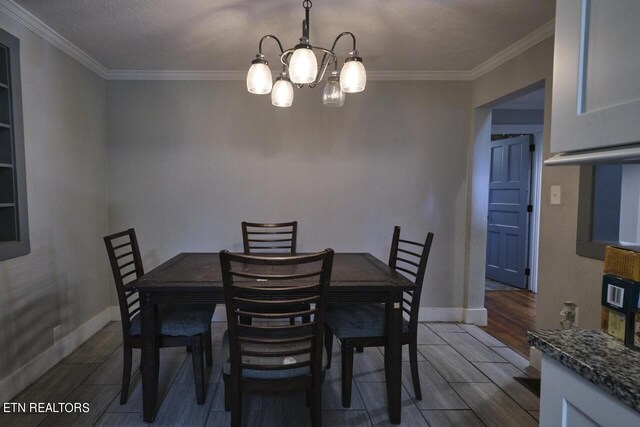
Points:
x=510, y=315
x=466, y=378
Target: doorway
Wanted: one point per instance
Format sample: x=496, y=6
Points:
x=513, y=162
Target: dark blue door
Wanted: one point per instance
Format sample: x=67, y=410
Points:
x=507, y=233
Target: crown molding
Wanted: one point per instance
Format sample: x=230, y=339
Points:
x=31, y=22
x=174, y=75
x=242, y=75
x=34, y=24
x=522, y=45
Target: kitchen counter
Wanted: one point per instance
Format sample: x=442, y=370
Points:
x=593, y=356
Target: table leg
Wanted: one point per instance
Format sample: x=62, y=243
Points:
x=394, y=363
x=149, y=356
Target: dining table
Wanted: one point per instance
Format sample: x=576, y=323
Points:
x=196, y=279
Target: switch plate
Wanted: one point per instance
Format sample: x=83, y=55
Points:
x=555, y=195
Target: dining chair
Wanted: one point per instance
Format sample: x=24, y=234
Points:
x=180, y=326
x=269, y=237
x=261, y=238
x=363, y=325
x=269, y=355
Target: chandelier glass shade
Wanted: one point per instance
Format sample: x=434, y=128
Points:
x=301, y=67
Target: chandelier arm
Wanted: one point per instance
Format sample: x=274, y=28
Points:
x=345, y=33
x=269, y=36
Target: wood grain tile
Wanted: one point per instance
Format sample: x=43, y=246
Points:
x=99, y=347
x=110, y=371
x=346, y=419
x=482, y=336
x=436, y=392
x=452, y=419
x=332, y=391
x=54, y=386
x=405, y=354
x=518, y=361
x=99, y=397
x=450, y=364
x=470, y=348
x=492, y=406
x=368, y=366
x=444, y=327
x=285, y=410
x=212, y=374
x=112, y=419
x=220, y=419
x=250, y=402
x=167, y=373
x=427, y=336
x=374, y=396
x=180, y=407
x=502, y=375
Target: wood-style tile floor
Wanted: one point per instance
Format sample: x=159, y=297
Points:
x=466, y=377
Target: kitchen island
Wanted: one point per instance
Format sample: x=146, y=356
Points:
x=588, y=379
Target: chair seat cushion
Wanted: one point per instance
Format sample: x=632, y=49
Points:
x=271, y=360
x=178, y=321
x=358, y=320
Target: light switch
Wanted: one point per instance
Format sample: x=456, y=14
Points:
x=555, y=195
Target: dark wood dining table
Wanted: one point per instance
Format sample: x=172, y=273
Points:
x=195, y=278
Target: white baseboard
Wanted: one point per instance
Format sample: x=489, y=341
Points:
x=220, y=315
x=477, y=316
x=27, y=374
x=440, y=314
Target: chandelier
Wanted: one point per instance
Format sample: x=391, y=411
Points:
x=300, y=67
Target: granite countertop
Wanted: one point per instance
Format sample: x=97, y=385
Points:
x=595, y=356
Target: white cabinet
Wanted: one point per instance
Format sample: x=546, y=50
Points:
x=568, y=400
x=596, y=76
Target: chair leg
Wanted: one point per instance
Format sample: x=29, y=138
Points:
x=207, y=347
x=292, y=321
x=236, y=403
x=328, y=344
x=316, y=405
x=227, y=393
x=413, y=359
x=306, y=319
x=126, y=374
x=198, y=367
x=347, y=373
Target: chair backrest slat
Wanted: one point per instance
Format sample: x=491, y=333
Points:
x=126, y=273
x=414, y=264
x=261, y=300
x=271, y=237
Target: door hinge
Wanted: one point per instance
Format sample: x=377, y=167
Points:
x=527, y=272
x=532, y=148
x=529, y=208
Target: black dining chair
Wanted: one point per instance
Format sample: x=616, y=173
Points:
x=363, y=325
x=260, y=237
x=264, y=238
x=184, y=326
x=269, y=355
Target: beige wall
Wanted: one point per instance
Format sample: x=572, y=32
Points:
x=188, y=161
x=562, y=274
x=63, y=280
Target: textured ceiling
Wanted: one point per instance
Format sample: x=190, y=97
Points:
x=223, y=35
